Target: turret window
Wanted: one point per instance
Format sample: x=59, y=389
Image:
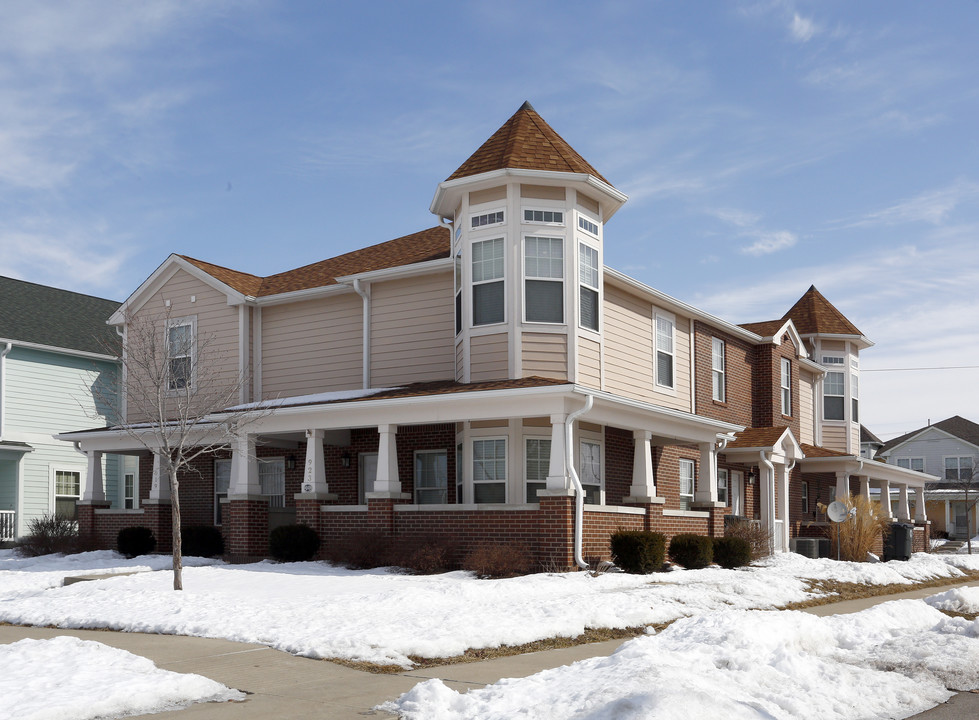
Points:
x=834, y=389
x=486, y=219
x=546, y=217
x=587, y=225
x=544, y=271
x=487, y=279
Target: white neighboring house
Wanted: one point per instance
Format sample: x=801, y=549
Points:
x=950, y=450
x=55, y=350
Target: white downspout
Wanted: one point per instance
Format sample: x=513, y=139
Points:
x=3, y=385
x=769, y=494
x=579, y=503
x=366, y=296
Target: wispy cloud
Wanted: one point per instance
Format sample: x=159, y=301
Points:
x=933, y=206
x=802, y=29
x=748, y=226
x=770, y=242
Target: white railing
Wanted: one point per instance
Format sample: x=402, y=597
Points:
x=8, y=525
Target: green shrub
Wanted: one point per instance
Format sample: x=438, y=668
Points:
x=498, y=560
x=135, y=541
x=294, y=543
x=201, y=541
x=692, y=551
x=638, y=551
x=49, y=534
x=732, y=552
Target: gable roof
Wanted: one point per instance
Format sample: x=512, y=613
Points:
x=766, y=328
x=430, y=244
x=956, y=425
x=758, y=437
x=42, y=315
x=525, y=141
x=868, y=437
x=813, y=314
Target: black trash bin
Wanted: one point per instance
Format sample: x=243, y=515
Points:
x=897, y=544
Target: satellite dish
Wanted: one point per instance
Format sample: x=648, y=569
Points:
x=837, y=511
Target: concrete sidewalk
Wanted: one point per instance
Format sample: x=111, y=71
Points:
x=287, y=687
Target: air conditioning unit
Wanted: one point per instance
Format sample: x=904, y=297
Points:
x=808, y=547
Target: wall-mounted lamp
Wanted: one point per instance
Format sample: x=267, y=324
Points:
x=345, y=460
x=752, y=476
x=291, y=462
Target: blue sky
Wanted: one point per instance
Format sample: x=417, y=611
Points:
x=765, y=146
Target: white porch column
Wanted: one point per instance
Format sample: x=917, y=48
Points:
x=920, y=515
x=707, y=478
x=766, y=493
x=865, y=486
x=314, y=475
x=388, y=481
x=94, y=486
x=557, y=468
x=643, y=486
x=244, y=468
x=842, y=485
x=159, y=483
x=885, y=499
x=903, y=509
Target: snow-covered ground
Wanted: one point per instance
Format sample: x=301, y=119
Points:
x=894, y=660
x=65, y=677
x=317, y=610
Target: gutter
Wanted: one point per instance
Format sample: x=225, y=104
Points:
x=579, y=504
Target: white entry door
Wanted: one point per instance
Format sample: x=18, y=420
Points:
x=366, y=475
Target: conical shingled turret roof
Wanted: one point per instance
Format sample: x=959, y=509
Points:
x=813, y=314
x=525, y=142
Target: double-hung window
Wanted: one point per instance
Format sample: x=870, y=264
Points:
x=67, y=491
x=591, y=471
x=459, y=473
x=805, y=498
x=717, y=368
x=588, y=286
x=129, y=490
x=915, y=463
x=272, y=479
x=487, y=281
x=544, y=271
x=664, y=351
x=180, y=353
x=222, y=481
x=786, y=386
x=489, y=470
x=686, y=484
x=537, y=458
x=722, y=485
x=958, y=468
x=431, y=477
x=458, y=274
x=834, y=388
x=854, y=397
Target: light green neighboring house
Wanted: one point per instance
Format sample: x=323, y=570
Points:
x=58, y=364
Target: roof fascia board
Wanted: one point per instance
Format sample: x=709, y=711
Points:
x=429, y=267
x=861, y=340
x=300, y=295
x=623, y=280
x=167, y=269
x=789, y=327
x=814, y=366
x=61, y=350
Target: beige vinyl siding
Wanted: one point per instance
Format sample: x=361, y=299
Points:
x=545, y=354
x=412, y=330
x=478, y=197
x=855, y=438
x=589, y=363
x=629, y=351
x=833, y=345
x=217, y=329
x=805, y=408
x=312, y=346
x=542, y=192
x=489, y=357
x=834, y=437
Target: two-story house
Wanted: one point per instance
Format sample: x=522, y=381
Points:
x=948, y=449
x=58, y=368
x=491, y=378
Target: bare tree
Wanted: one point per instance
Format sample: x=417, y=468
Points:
x=966, y=482
x=175, y=379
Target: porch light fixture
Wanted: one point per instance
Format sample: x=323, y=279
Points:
x=345, y=460
x=291, y=462
x=752, y=476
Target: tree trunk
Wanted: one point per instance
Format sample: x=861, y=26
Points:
x=178, y=579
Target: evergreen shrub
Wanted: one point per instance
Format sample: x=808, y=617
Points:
x=732, y=552
x=293, y=543
x=638, y=551
x=135, y=541
x=201, y=541
x=692, y=551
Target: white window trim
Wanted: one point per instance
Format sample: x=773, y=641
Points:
x=959, y=459
x=523, y=459
x=473, y=284
x=593, y=439
x=122, y=488
x=841, y=371
x=214, y=486
x=190, y=320
x=472, y=459
x=693, y=481
x=718, y=388
x=486, y=211
x=785, y=383
x=361, y=476
x=579, y=216
x=597, y=290
x=672, y=320
x=542, y=208
x=805, y=497
x=524, y=278
x=910, y=461
x=725, y=474
x=53, y=470
x=432, y=451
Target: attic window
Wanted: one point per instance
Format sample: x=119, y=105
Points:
x=550, y=217
x=486, y=219
x=587, y=225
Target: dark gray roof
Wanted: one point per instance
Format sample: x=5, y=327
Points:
x=868, y=437
x=955, y=425
x=45, y=315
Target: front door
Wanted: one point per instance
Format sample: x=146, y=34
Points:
x=366, y=475
x=961, y=517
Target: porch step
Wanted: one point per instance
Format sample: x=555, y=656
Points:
x=86, y=578
x=950, y=548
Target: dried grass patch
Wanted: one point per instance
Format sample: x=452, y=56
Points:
x=833, y=591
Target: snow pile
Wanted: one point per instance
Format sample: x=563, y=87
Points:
x=894, y=660
x=963, y=600
x=92, y=680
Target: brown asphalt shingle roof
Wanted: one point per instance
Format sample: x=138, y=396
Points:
x=765, y=329
x=430, y=244
x=955, y=425
x=758, y=437
x=813, y=314
x=526, y=142
x=817, y=451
